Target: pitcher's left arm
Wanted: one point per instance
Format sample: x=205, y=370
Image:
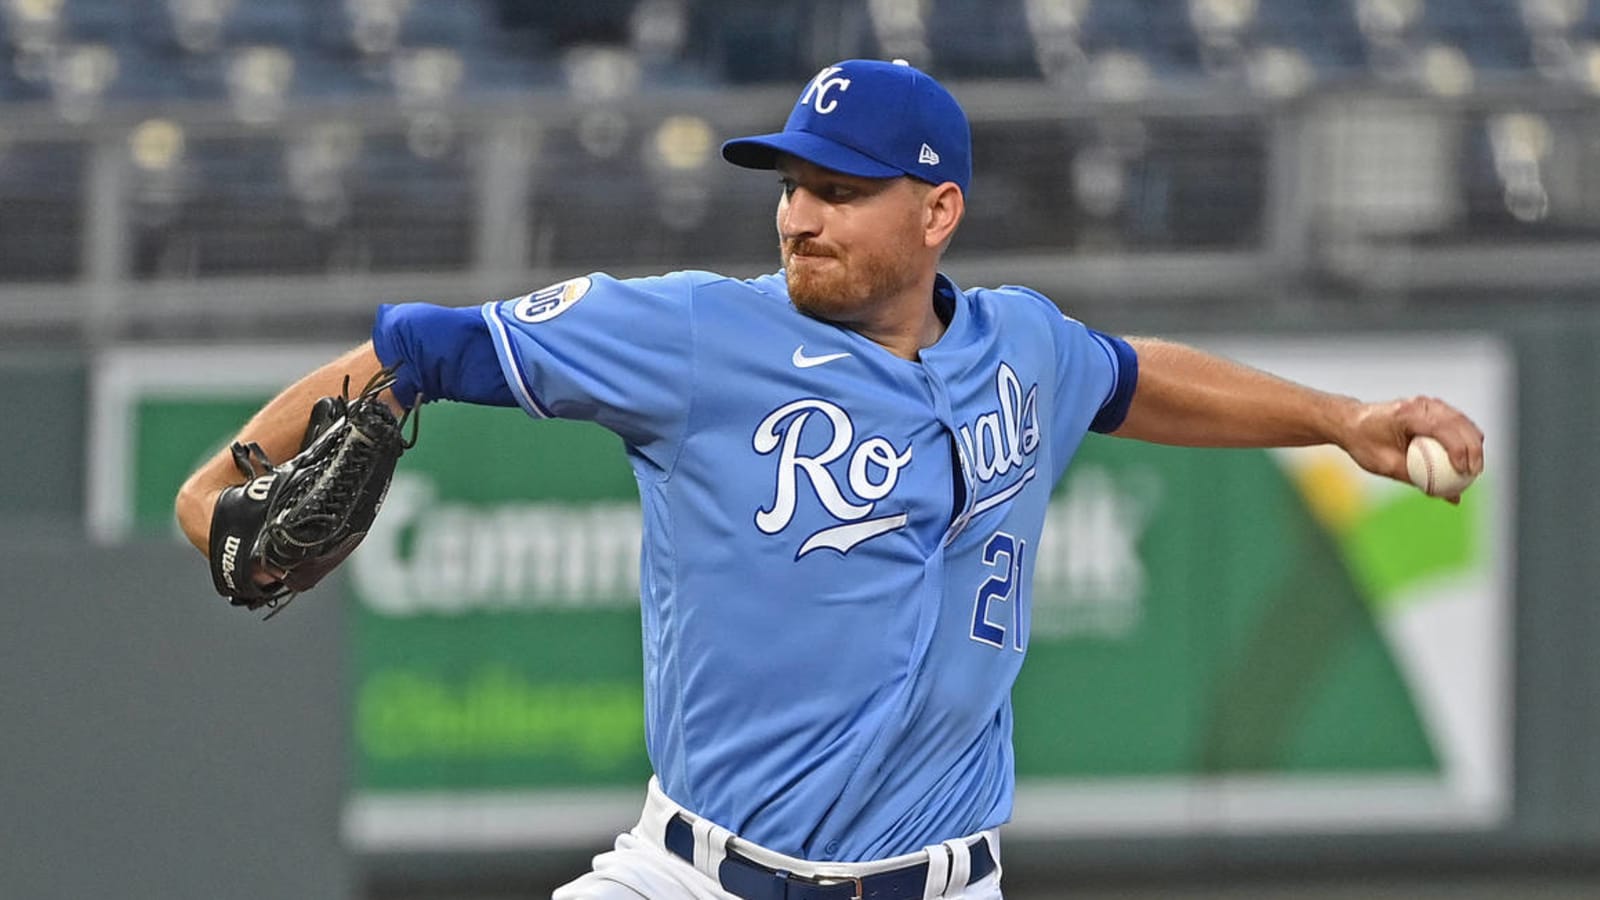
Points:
x=1192, y=398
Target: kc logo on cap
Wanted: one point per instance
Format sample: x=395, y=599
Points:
x=817, y=92
x=873, y=119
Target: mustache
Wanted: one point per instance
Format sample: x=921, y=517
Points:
x=806, y=247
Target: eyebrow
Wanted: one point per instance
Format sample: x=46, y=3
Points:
x=789, y=164
x=801, y=172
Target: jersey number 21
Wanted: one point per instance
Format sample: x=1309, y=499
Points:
x=1004, y=553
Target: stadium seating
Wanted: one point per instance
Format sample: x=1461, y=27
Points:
x=405, y=196
x=41, y=210
x=178, y=48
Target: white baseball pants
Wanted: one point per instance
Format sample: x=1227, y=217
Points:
x=640, y=866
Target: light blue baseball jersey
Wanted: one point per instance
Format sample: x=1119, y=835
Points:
x=837, y=541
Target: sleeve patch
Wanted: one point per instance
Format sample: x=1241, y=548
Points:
x=547, y=303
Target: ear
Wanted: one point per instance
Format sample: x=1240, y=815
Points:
x=942, y=209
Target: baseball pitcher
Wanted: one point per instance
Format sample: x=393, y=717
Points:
x=844, y=470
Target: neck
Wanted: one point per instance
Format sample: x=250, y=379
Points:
x=907, y=323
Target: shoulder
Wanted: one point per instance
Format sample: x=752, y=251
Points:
x=680, y=288
x=1017, y=299
x=1016, y=305
x=771, y=285
x=689, y=283
x=1023, y=317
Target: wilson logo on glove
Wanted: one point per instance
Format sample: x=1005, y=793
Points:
x=257, y=489
x=230, y=555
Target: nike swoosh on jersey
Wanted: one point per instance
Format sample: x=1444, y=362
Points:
x=843, y=537
x=802, y=361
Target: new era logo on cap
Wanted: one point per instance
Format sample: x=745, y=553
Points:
x=872, y=119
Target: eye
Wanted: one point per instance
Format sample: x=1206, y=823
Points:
x=787, y=185
x=841, y=193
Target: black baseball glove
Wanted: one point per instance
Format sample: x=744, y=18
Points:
x=298, y=520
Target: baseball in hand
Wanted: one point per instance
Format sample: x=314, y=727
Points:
x=1428, y=464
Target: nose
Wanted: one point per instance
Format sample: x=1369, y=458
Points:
x=798, y=215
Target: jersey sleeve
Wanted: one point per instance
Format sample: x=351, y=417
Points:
x=614, y=351
x=1125, y=367
x=1096, y=374
x=1095, y=377
x=439, y=353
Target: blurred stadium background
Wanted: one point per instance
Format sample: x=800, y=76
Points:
x=180, y=172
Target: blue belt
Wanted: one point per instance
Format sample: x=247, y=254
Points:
x=746, y=878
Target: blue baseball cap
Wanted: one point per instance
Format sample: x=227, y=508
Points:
x=873, y=119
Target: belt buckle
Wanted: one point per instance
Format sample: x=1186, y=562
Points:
x=851, y=880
